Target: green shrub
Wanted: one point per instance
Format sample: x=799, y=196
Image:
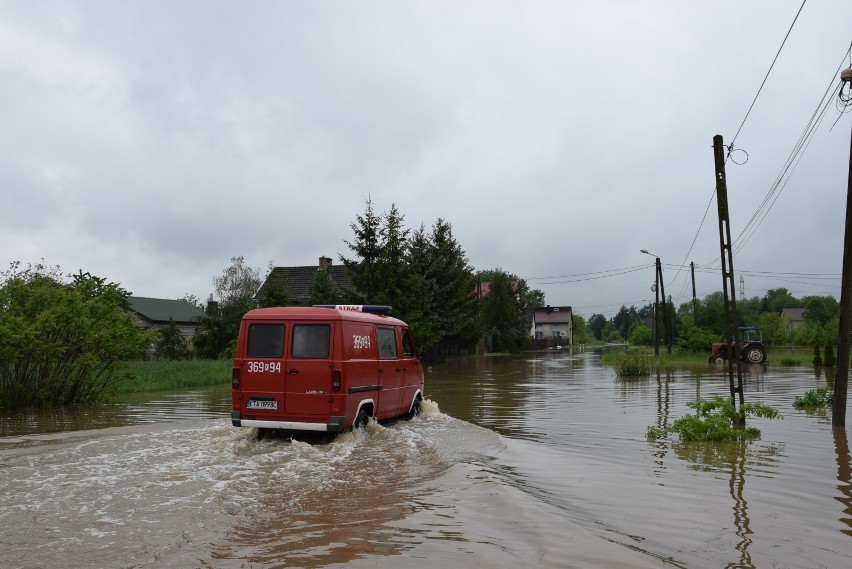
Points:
x=716, y=420
x=697, y=341
x=633, y=363
x=814, y=398
x=817, y=357
x=63, y=341
x=829, y=360
x=654, y=433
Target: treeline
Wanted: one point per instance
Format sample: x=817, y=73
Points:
x=424, y=274
x=695, y=327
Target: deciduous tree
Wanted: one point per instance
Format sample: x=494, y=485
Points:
x=63, y=341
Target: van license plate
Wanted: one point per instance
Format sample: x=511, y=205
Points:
x=252, y=404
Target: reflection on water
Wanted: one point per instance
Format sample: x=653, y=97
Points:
x=844, y=477
x=737, y=505
x=135, y=409
x=538, y=460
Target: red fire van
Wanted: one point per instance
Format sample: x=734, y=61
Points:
x=323, y=368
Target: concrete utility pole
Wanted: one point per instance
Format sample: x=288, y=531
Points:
x=838, y=415
x=727, y=272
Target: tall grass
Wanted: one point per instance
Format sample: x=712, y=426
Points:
x=166, y=375
x=633, y=363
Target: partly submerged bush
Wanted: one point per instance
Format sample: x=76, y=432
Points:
x=829, y=359
x=814, y=398
x=716, y=420
x=633, y=363
x=63, y=341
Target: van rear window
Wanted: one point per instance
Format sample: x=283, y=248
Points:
x=311, y=341
x=265, y=341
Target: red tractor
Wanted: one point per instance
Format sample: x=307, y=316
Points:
x=751, y=348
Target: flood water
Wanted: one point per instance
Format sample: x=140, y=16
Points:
x=530, y=461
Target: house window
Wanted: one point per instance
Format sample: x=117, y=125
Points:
x=539, y=334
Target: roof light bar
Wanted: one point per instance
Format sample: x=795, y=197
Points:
x=368, y=308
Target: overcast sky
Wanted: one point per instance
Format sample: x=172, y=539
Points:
x=148, y=142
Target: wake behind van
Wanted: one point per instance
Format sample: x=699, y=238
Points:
x=323, y=368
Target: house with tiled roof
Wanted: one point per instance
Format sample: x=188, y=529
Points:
x=299, y=280
x=554, y=323
x=159, y=312
x=793, y=318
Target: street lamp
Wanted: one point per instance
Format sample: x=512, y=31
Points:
x=659, y=288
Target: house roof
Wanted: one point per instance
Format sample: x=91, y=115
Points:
x=299, y=280
x=161, y=310
x=793, y=313
x=483, y=288
x=552, y=314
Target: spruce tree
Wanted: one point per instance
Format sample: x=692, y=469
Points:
x=364, y=269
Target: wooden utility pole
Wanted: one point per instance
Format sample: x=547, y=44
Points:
x=667, y=335
x=727, y=272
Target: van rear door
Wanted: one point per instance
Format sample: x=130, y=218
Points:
x=262, y=374
x=309, y=370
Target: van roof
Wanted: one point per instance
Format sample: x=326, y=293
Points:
x=316, y=313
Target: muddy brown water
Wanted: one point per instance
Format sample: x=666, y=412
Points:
x=532, y=461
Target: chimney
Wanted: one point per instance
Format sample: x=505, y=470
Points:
x=212, y=306
x=324, y=262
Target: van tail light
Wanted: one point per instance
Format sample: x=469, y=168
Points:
x=335, y=380
x=235, y=378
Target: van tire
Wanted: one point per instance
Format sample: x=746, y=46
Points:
x=361, y=420
x=415, y=409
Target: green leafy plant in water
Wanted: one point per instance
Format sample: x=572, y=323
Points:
x=633, y=363
x=654, y=433
x=814, y=398
x=717, y=420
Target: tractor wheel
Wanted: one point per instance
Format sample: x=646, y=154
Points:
x=718, y=361
x=755, y=355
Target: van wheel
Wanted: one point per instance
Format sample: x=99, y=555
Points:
x=361, y=420
x=415, y=409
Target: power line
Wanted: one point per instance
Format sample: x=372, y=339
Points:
x=790, y=165
x=733, y=140
x=731, y=146
x=582, y=277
